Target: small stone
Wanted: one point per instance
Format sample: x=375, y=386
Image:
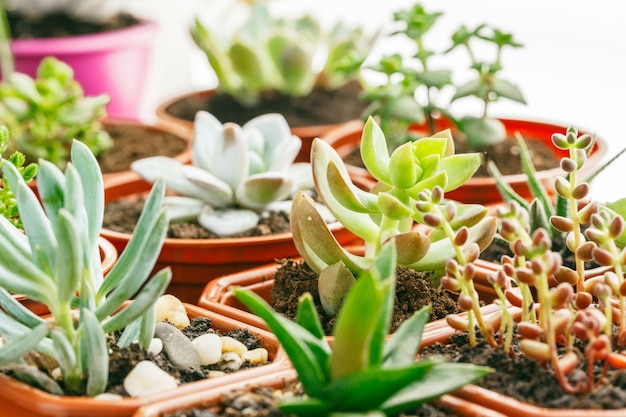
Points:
x=230, y=344
x=178, y=348
x=171, y=309
x=230, y=361
x=109, y=396
x=147, y=378
x=216, y=374
x=256, y=356
x=209, y=347
x=156, y=346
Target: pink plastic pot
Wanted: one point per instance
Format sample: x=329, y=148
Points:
x=113, y=63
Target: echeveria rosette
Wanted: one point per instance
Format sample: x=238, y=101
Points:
x=237, y=172
x=411, y=174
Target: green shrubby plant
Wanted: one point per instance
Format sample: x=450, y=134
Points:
x=56, y=261
x=46, y=113
x=410, y=191
x=237, y=173
x=361, y=373
x=269, y=55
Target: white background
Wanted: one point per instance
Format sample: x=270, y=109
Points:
x=571, y=69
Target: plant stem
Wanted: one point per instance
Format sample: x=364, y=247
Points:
x=7, y=64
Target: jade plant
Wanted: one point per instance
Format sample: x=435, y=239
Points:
x=413, y=90
x=561, y=307
x=56, y=261
x=46, y=113
x=270, y=55
x=363, y=372
x=237, y=173
x=406, y=204
x=8, y=204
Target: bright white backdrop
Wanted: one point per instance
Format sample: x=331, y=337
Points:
x=571, y=69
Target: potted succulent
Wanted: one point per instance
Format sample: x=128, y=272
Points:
x=240, y=180
x=338, y=378
x=57, y=262
x=410, y=106
x=407, y=204
x=46, y=112
x=97, y=39
x=570, y=333
x=271, y=65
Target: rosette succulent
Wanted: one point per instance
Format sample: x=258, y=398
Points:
x=237, y=173
x=410, y=191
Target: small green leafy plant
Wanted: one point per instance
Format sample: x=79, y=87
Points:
x=410, y=191
x=413, y=88
x=237, y=172
x=269, y=55
x=362, y=373
x=56, y=261
x=46, y=113
x=8, y=205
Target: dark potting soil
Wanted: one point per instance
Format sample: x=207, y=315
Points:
x=505, y=154
x=132, y=142
x=527, y=380
x=414, y=290
x=123, y=360
x=261, y=402
x=321, y=107
x=61, y=25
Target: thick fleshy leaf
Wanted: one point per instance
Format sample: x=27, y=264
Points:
x=403, y=346
x=460, y=168
x=403, y=172
x=302, y=175
x=280, y=146
x=258, y=190
x=206, y=132
x=333, y=284
x=228, y=222
x=505, y=88
x=348, y=195
x=482, y=131
x=182, y=208
x=219, y=192
x=231, y=156
x=411, y=246
x=374, y=151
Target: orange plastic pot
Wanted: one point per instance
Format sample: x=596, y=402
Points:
x=461, y=407
x=480, y=190
x=20, y=399
x=168, y=115
x=108, y=254
x=195, y=262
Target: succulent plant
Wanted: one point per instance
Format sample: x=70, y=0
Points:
x=410, y=190
x=269, y=55
x=56, y=261
x=363, y=372
x=46, y=113
x=237, y=172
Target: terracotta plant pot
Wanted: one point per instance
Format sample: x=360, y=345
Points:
x=128, y=130
x=108, y=254
x=169, y=113
x=20, y=399
x=479, y=190
x=113, y=63
x=195, y=262
x=507, y=405
x=462, y=408
x=218, y=297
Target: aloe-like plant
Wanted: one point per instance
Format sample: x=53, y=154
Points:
x=56, y=261
x=362, y=373
x=46, y=113
x=269, y=55
x=237, y=172
x=410, y=190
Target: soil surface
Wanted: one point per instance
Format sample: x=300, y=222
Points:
x=61, y=25
x=132, y=142
x=321, y=107
x=123, y=360
x=414, y=290
x=527, y=380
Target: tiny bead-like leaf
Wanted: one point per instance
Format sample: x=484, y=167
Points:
x=457, y=322
x=461, y=236
x=622, y=289
x=603, y=257
x=452, y=267
x=562, y=318
x=602, y=290
x=585, y=212
x=581, y=156
x=423, y=206
x=610, y=279
x=437, y=195
x=616, y=227
x=529, y=330
x=566, y=275
x=584, y=141
x=580, y=191
x=568, y=165
x=469, y=272
x=585, y=251
x=560, y=141
x=519, y=248
x=472, y=252
x=596, y=235
x=582, y=300
x=622, y=257
x=561, y=295
x=562, y=187
x=513, y=297
x=535, y=349
x=450, y=284
x=433, y=220
x=562, y=224
x=465, y=302
x=526, y=275
x=450, y=210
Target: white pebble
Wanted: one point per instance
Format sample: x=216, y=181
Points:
x=255, y=356
x=147, y=378
x=230, y=344
x=56, y=374
x=216, y=374
x=109, y=397
x=156, y=346
x=171, y=309
x=230, y=361
x=209, y=347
